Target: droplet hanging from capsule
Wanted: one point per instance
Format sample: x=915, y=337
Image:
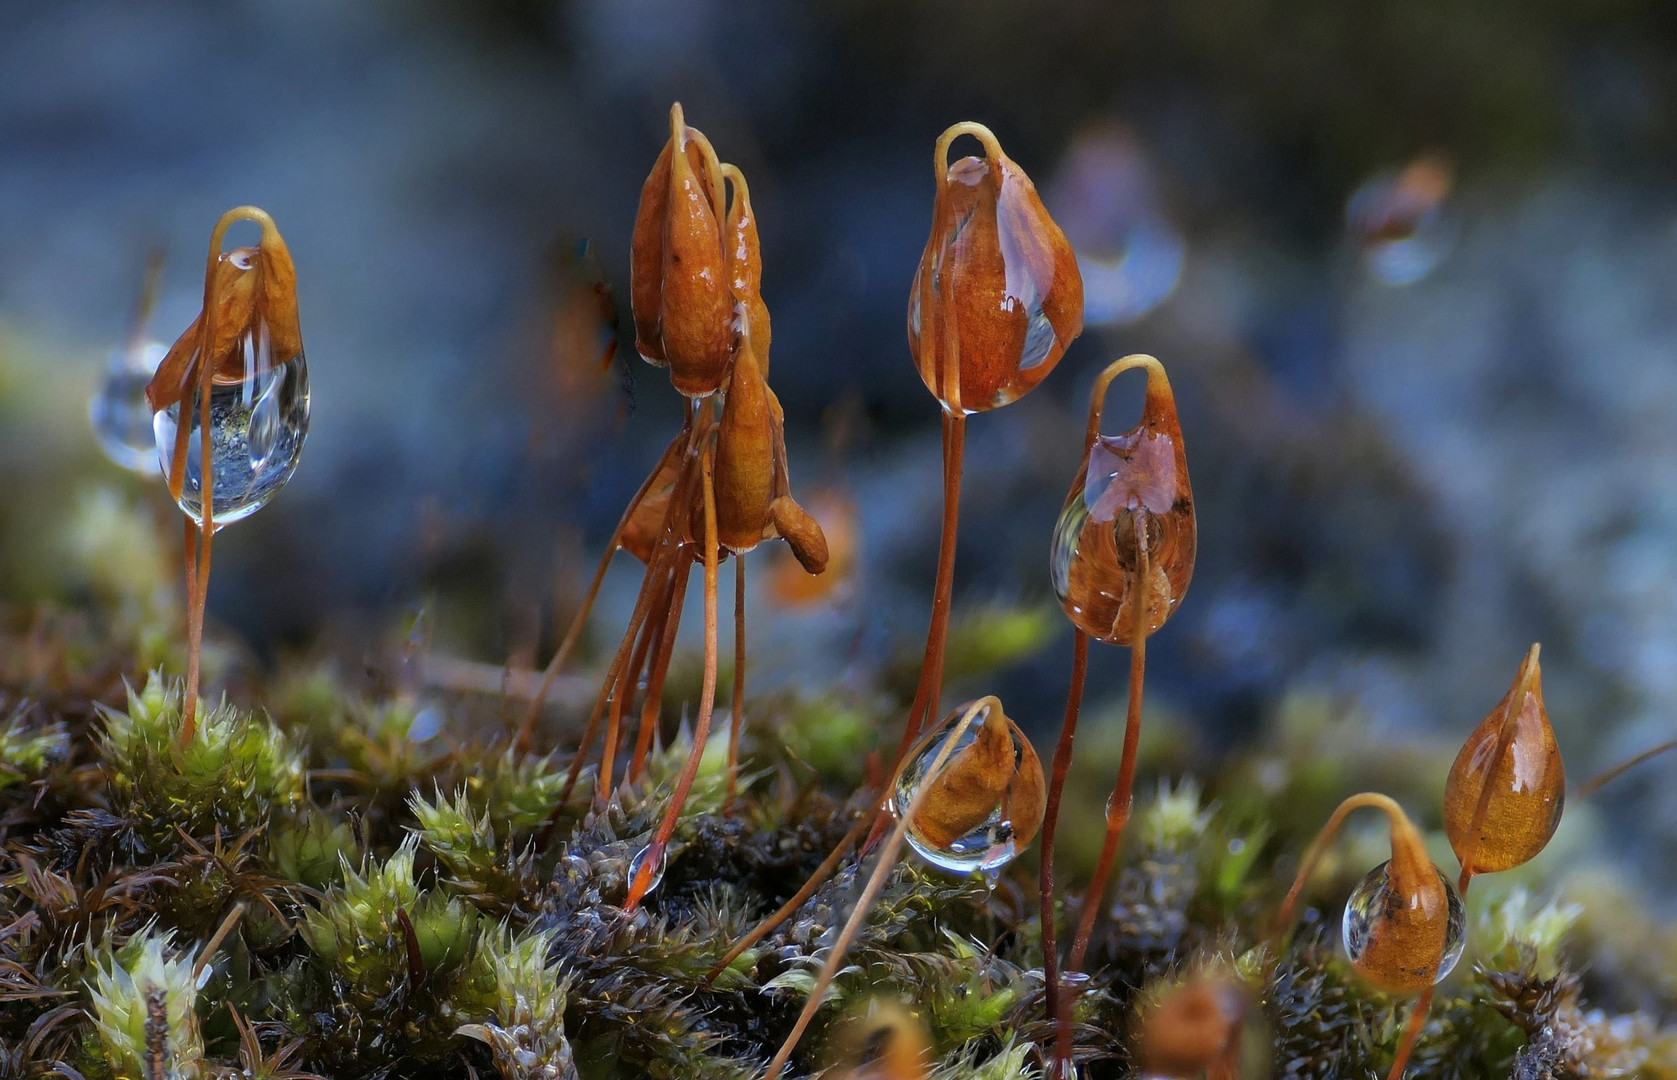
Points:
x=997, y=296
x=986, y=800
x=248, y=345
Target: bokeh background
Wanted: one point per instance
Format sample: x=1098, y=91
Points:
x=1412, y=265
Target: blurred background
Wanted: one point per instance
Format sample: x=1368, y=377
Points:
x=1412, y=266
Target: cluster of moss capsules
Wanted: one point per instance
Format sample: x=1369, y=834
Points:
x=353, y=886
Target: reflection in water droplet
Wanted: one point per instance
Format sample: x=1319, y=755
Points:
x=639, y=861
x=1399, y=223
x=120, y=413
x=1366, y=908
x=983, y=819
x=257, y=426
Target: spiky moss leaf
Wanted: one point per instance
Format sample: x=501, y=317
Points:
x=27, y=750
x=516, y=791
x=236, y=771
x=491, y=875
x=309, y=848
x=522, y=1015
x=1323, y=1023
x=1012, y=1062
x=145, y=1009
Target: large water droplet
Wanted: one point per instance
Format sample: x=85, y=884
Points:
x=983, y=815
x=1366, y=910
x=639, y=861
x=257, y=426
x=1093, y=557
x=120, y=413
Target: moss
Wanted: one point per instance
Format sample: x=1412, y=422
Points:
x=475, y=925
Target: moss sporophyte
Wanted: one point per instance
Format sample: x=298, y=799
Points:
x=326, y=876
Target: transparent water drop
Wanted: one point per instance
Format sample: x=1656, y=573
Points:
x=639, y=861
x=120, y=413
x=1367, y=906
x=257, y=427
x=983, y=820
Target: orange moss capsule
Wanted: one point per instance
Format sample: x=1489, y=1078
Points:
x=1404, y=924
x=1515, y=752
x=1133, y=488
x=882, y=1041
x=678, y=277
x=998, y=295
x=745, y=266
x=985, y=804
x=254, y=291
x=1194, y=1030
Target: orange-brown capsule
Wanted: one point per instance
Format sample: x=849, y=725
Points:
x=1194, y=1030
x=745, y=455
x=253, y=294
x=997, y=296
x=883, y=1041
x=1527, y=780
x=980, y=788
x=1404, y=924
x=678, y=277
x=791, y=584
x=1132, y=490
x=745, y=266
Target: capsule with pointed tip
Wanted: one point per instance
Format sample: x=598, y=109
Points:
x=1515, y=752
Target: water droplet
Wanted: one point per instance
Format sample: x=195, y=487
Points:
x=120, y=413
x=987, y=803
x=639, y=861
x=257, y=426
x=1380, y=930
x=1399, y=224
x=1093, y=557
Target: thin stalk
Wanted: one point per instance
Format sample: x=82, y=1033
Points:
x=1319, y=847
x=736, y=718
x=1601, y=780
x=1123, y=793
x=1057, y=1008
x=826, y=870
x=526, y=729
x=707, y=699
x=870, y=894
x=930, y=688
x=623, y=693
x=663, y=650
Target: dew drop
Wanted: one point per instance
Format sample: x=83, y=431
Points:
x=639, y=861
x=989, y=801
x=257, y=427
x=120, y=413
x=1368, y=908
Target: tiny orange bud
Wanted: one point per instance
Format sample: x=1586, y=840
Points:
x=1194, y=1030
